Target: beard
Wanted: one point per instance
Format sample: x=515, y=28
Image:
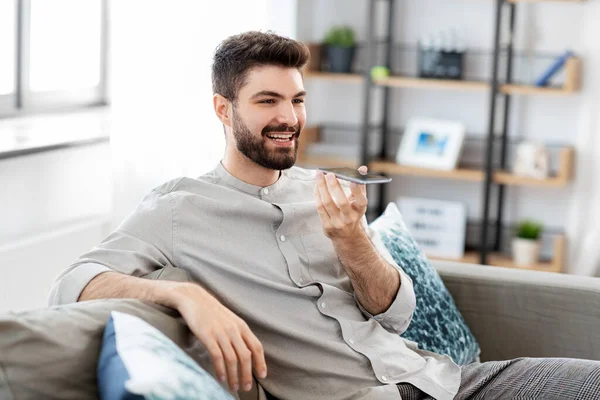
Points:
x=256, y=148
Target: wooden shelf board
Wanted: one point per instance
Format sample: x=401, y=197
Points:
x=463, y=174
x=534, y=90
x=389, y=167
x=423, y=83
x=506, y=178
x=501, y=260
x=545, y=1
x=350, y=78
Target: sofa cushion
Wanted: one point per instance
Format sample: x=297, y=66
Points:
x=138, y=362
x=437, y=324
x=52, y=353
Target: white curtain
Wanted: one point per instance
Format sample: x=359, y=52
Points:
x=583, y=227
x=163, y=125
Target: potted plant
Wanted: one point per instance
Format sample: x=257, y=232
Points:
x=526, y=244
x=340, y=47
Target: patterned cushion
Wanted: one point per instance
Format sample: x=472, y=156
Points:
x=437, y=324
x=138, y=362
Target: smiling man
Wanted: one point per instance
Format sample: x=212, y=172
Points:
x=291, y=289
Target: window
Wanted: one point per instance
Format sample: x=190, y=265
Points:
x=8, y=14
x=53, y=55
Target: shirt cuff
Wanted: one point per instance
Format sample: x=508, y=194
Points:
x=68, y=286
x=398, y=316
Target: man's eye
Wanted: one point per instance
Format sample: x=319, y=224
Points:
x=298, y=101
x=269, y=101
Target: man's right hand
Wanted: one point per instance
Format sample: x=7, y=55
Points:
x=228, y=339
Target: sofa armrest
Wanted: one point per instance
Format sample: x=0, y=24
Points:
x=520, y=313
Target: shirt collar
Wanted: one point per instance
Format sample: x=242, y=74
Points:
x=249, y=188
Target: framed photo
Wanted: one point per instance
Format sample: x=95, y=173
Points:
x=438, y=226
x=431, y=143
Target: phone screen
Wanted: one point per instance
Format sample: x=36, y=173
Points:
x=353, y=175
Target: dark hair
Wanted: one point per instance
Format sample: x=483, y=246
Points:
x=237, y=54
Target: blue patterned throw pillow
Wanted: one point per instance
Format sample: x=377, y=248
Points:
x=437, y=324
x=138, y=362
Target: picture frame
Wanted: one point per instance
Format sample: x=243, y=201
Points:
x=438, y=226
x=431, y=143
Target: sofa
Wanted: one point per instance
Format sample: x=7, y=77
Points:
x=52, y=353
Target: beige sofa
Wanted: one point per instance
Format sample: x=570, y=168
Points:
x=520, y=313
x=52, y=353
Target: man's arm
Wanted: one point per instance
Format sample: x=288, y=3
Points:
x=227, y=337
x=114, y=285
x=382, y=290
x=141, y=245
x=375, y=282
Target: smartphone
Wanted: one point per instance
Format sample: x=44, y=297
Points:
x=352, y=175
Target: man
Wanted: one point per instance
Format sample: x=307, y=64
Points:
x=291, y=286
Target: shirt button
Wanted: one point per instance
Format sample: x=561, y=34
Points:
x=323, y=305
x=282, y=237
x=265, y=191
x=384, y=378
x=350, y=341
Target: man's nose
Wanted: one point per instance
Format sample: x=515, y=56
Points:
x=287, y=115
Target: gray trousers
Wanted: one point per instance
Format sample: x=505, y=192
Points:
x=521, y=378
x=524, y=378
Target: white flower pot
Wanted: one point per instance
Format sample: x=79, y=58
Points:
x=526, y=252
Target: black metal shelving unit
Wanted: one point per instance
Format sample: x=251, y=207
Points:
x=501, y=53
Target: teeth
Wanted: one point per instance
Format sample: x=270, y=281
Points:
x=276, y=136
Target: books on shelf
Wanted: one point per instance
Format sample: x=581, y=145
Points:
x=557, y=65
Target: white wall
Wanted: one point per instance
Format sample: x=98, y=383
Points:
x=57, y=205
x=53, y=206
x=571, y=120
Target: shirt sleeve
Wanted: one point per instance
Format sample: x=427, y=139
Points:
x=398, y=316
x=143, y=243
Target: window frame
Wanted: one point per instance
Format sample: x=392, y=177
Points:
x=25, y=102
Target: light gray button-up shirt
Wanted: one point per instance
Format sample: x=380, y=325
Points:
x=263, y=254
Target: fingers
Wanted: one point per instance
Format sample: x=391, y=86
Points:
x=239, y=348
x=359, y=192
x=258, y=354
x=324, y=196
x=325, y=219
x=327, y=201
x=337, y=194
x=359, y=197
x=339, y=212
x=232, y=347
x=363, y=169
x=216, y=355
x=227, y=338
x=231, y=361
x=244, y=356
x=248, y=348
x=334, y=198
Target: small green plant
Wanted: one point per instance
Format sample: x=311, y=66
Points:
x=340, y=36
x=529, y=229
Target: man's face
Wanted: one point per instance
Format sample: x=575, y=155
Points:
x=269, y=116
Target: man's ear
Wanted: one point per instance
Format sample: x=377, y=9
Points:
x=222, y=108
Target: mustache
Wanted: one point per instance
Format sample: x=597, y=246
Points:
x=281, y=128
